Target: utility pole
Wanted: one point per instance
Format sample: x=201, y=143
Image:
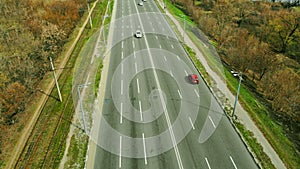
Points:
x=237, y=93
x=54, y=74
x=103, y=30
x=90, y=15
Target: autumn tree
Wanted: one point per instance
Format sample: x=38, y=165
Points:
x=283, y=90
x=27, y=40
x=240, y=50
x=12, y=101
x=207, y=4
x=264, y=60
x=64, y=14
x=284, y=29
x=243, y=12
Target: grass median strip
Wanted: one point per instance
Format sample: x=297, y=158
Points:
x=79, y=141
x=263, y=158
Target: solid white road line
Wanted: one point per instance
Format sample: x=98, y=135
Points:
x=135, y=65
x=179, y=94
x=192, y=123
x=186, y=73
x=165, y=58
x=207, y=163
x=212, y=121
x=196, y=93
x=120, y=154
x=138, y=85
x=141, y=113
x=121, y=87
x=121, y=116
x=144, y=144
x=233, y=162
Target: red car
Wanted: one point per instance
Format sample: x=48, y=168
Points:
x=193, y=78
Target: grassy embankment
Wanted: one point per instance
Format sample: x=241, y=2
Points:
x=78, y=142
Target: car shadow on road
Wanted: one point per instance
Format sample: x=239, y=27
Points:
x=187, y=80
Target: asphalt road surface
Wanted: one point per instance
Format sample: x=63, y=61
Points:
x=152, y=116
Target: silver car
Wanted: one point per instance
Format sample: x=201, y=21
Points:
x=138, y=34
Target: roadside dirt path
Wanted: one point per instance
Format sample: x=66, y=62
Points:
x=42, y=98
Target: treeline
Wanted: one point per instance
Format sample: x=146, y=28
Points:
x=261, y=40
x=31, y=31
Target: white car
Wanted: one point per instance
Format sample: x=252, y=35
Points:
x=144, y=0
x=141, y=3
x=138, y=34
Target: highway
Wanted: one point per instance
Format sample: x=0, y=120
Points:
x=151, y=116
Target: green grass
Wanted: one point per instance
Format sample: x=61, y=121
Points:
x=58, y=141
x=272, y=131
x=77, y=151
x=50, y=130
x=98, y=76
x=297, y=8
x=178, y=13
x=79, y=141
x=197, y=63
x=213, y=61
x=258, y=112
x=264, y=159
x=97, y=16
